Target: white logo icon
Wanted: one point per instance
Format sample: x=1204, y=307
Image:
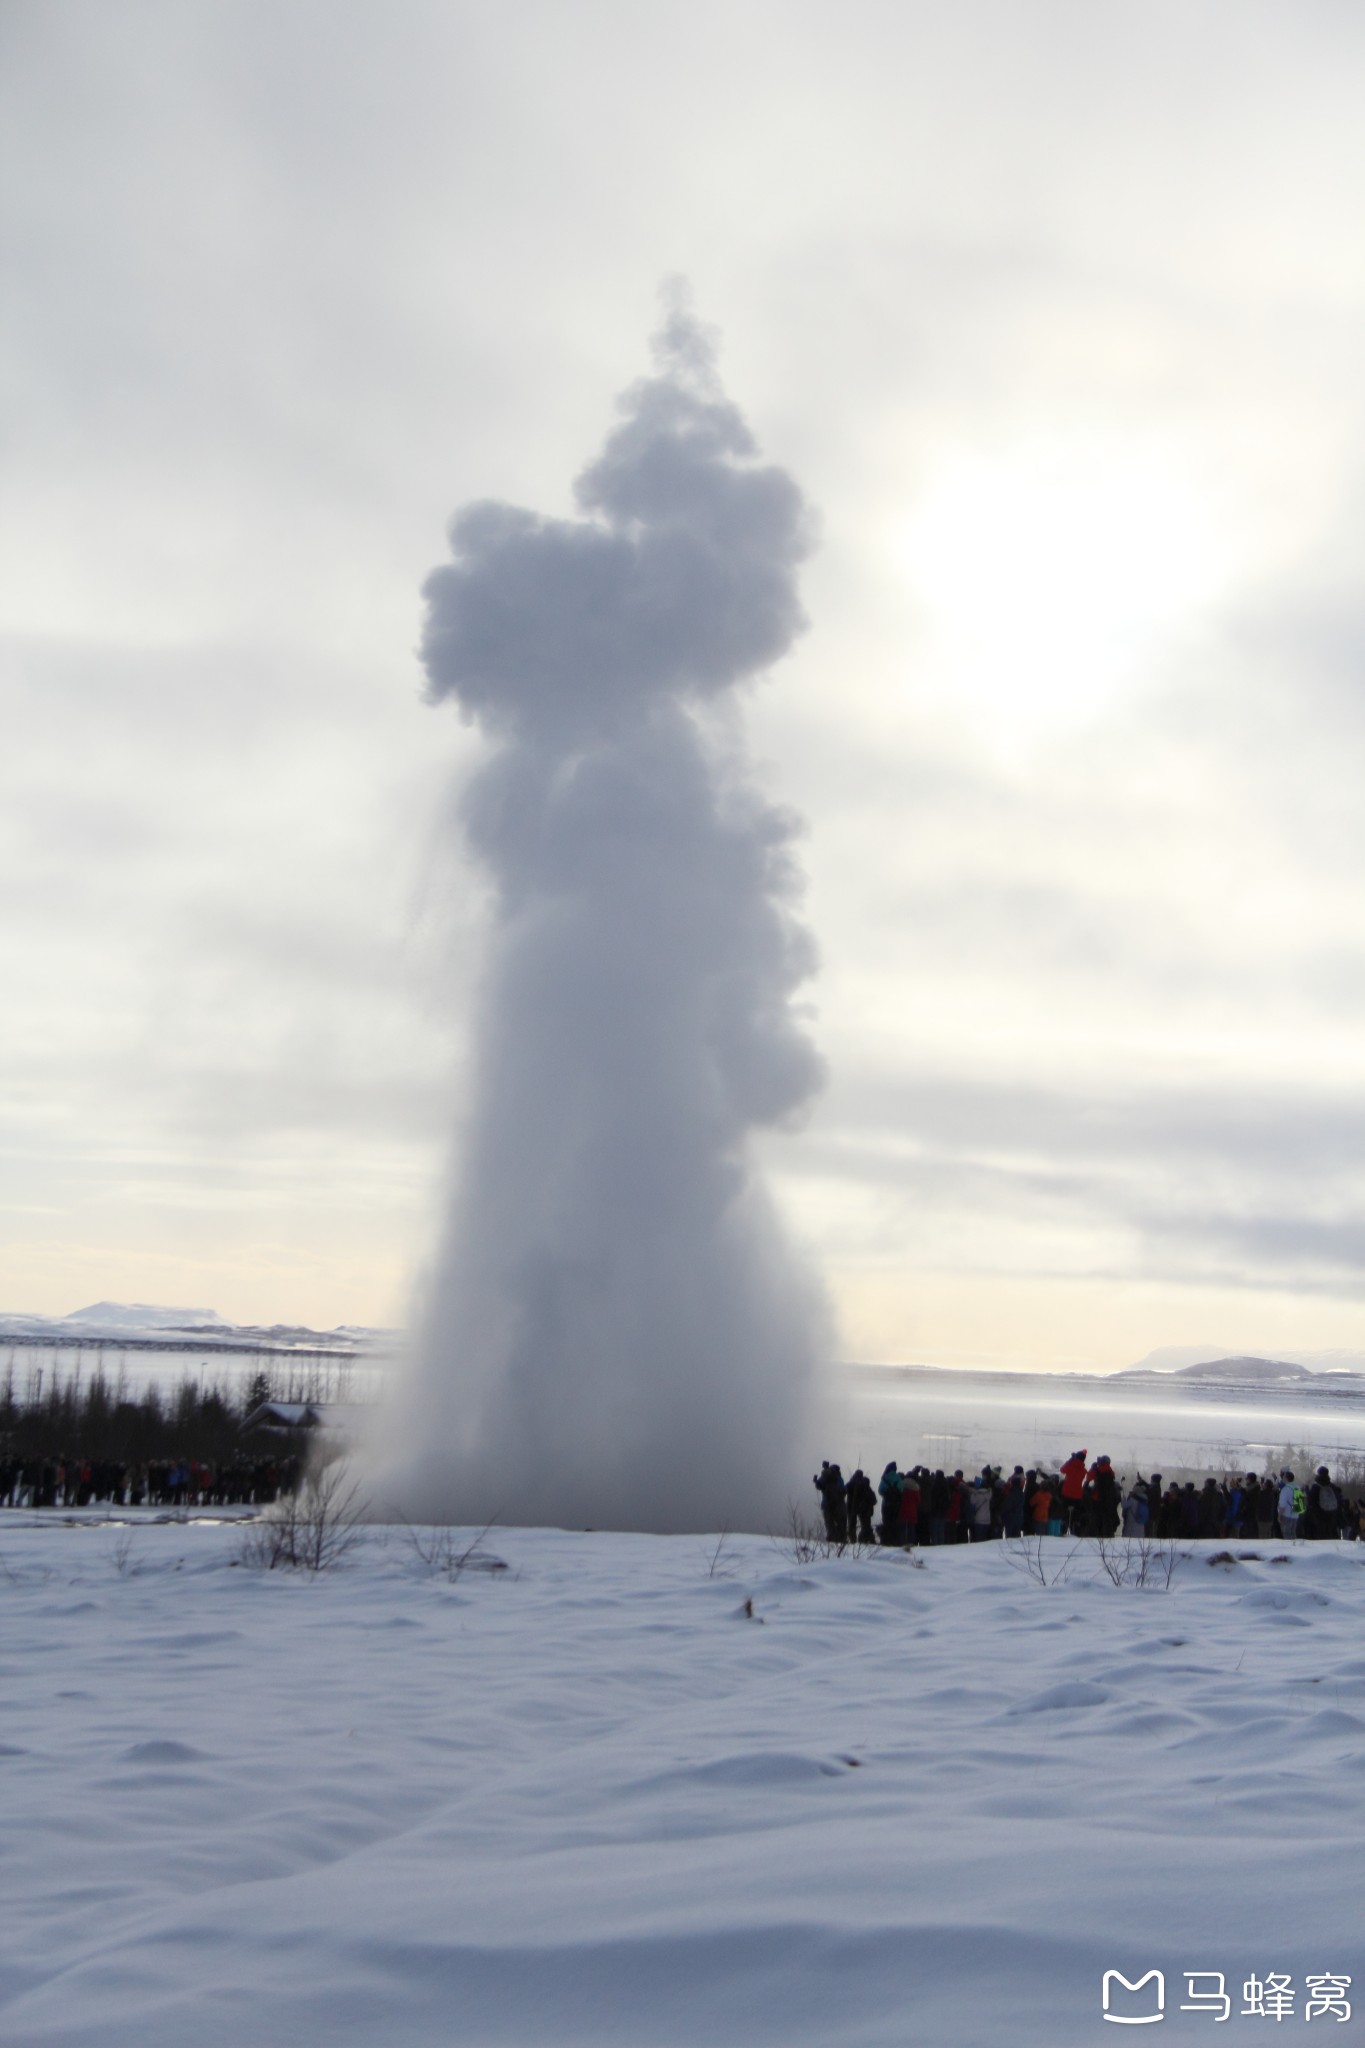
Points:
x=1133, y=2019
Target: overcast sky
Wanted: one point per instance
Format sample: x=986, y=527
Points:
x=1056, y=312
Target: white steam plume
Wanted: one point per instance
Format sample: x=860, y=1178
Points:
x=617, y=1333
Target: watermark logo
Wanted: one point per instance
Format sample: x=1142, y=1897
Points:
x=1141, y=2001
x=1215, y=2000
x=1327, y=1998
x=1155, y=2002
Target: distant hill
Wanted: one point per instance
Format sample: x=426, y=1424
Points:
x=1171, y=1357
x=138, y=1315
x=1225, y=1362
x=1242, y=1371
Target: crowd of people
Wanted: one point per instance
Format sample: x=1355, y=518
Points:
x=84, y=1441
x=169, y=1483
x=1080, y=1499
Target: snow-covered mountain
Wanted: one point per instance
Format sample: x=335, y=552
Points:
x=140, y=1315
x=134, y=1325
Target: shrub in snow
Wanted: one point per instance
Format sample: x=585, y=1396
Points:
x=310, y=1529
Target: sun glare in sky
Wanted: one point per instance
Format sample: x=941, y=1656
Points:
x=1052, y=578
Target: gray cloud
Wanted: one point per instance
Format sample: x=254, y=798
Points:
x=1239, y=1186
x=282, y=282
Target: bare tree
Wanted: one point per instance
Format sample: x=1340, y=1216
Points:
x=443, y=1552
x=1040, y=1557
x=1144, y=1560
x=717, y=1564
x=310, y=1529
x=804, y=1542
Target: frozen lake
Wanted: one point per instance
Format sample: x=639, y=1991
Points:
x=950, y=1419
x=915, y=1414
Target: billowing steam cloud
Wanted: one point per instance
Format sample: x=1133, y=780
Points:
x=617, y=1333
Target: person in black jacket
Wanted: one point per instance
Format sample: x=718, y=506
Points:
x=1211, y=1509
x=938, y=1492
x=1103, y=1490
x=859, y=1504
x=829, y=1484
x=1324, y=1507
x=891, y=1488
x=1267, y=1508
x=1248, y=1506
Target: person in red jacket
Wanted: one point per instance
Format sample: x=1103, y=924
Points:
x=910, y=1498
x=1073, y=1486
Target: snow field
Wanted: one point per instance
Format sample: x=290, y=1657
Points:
x=590, y=1799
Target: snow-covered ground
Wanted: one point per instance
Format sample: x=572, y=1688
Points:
x=629, y=1791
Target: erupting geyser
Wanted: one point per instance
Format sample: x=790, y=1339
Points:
x=617, y=1332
